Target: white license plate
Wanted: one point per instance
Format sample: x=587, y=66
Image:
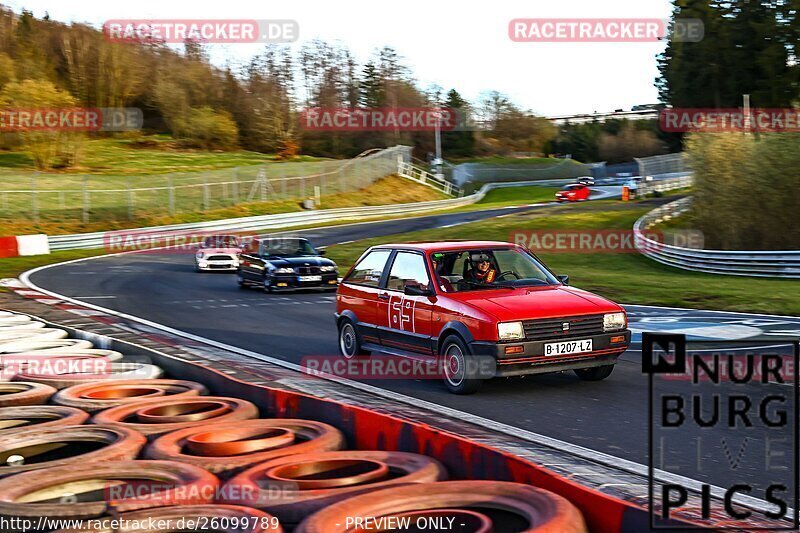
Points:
x=309, y=278
x=568, y=347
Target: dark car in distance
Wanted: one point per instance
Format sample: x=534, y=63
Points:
x=277, y=264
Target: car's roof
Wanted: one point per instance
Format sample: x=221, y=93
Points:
x=443, y=246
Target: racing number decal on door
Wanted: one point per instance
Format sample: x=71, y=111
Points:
x=401, y=313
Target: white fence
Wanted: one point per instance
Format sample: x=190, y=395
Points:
x=783, y=264
x=407, y=170
x=665, y=184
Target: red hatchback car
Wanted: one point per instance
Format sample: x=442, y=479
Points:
x=576, y=192
x=479, y=309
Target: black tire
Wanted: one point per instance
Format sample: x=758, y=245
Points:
x=459, y=377
x=350, y=340
x=596, y=373
x=241, y=281
x=265, y=285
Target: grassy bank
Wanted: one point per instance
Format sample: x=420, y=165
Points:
x=389, y=190
x=624, y=277
x=138, y=156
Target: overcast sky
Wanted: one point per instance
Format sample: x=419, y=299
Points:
x=461, y=44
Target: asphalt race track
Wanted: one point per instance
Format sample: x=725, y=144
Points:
x=608, y=416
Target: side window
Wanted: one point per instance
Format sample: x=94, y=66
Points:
x=407, y=269
x=368, y=271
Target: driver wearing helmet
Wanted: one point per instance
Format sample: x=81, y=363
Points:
x=482, y=270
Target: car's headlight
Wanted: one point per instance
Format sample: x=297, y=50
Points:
x=327, y=268
x=612, y=321
x=200, y=255
x=284, y=270
x=510, y=331
x=202, y=264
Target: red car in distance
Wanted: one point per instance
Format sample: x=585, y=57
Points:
x=480, y=309
x=577, y=192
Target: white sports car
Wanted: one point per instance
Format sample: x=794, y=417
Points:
x=218, y=252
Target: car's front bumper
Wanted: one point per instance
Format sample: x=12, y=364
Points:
x=218, y=265
x=531, y=359
x=292, y=282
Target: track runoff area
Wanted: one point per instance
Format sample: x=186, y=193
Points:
x=726, y=417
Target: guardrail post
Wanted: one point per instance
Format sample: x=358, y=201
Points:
x=131, y=200
x=236, y=185
x=171, y=196
x=34, y=200
x=206, y=198
x=86, y=200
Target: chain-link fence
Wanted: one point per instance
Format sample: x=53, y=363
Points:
x=71, y=197
x=664, y=164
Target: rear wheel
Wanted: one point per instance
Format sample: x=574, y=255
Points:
x=460, y=376
x=596, y=373
x=240, y=281
x=349, y=341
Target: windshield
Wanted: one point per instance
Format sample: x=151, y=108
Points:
x=221, y=241
x=287, y=248
x=472, y=270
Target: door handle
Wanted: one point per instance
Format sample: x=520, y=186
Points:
x=384, y=296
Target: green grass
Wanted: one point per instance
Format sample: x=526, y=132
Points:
x=153, y=154
x=625, y=278
x=508, y=196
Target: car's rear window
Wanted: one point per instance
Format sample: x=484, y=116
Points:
x=369, y=270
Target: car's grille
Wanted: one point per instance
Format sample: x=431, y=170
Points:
x=304, y=271
x=220, y=258
x=553, y=328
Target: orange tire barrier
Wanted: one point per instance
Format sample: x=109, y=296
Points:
x=162, y=415
x=221, y=518
x=94, y=397
x=74, y=446
x=223, y=448
x=24, y=393
x=122, y=486
x=39, y=416
x=110, y=372
x=295, y=486
x=474, y=503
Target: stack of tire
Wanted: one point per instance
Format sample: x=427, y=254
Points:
x=118, y=450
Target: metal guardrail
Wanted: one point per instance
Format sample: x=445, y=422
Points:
x=782, y=264
x=663, y=184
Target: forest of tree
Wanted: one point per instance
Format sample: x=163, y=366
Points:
x=750, y=47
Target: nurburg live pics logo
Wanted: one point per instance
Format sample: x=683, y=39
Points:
x=734, y=432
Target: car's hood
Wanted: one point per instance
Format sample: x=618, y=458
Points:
x=537, y=302
x=212, y=251
x=300, y=261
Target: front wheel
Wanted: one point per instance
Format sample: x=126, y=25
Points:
x=596, y=373
x=460, y=374
x=349, y=341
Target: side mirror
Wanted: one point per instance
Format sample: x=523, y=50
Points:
x=416, y=290
x=563, y=279
x=321, y=252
